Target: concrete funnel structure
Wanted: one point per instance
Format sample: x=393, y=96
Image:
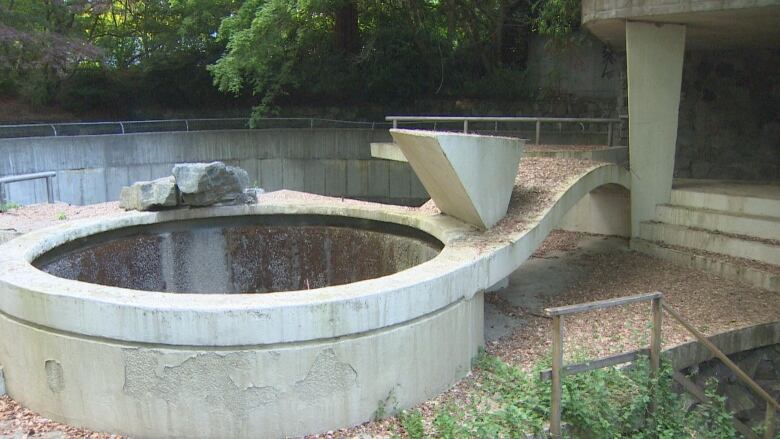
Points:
x=470, y=177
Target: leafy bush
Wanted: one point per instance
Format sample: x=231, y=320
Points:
x=605, y=403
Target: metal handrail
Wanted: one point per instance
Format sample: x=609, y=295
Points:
x=521, y=119
x=771, y=404
x=131, y=126
x=48, y=175
x=558, y=370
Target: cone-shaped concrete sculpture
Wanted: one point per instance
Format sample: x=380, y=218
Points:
x=469, y=176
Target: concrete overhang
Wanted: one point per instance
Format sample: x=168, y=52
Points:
x=725, y=24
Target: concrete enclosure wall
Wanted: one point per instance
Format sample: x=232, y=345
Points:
x=92, y=169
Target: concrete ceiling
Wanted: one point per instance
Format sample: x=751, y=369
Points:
x=725, y=29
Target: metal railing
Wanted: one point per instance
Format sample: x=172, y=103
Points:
x=538, y=121
x=558, y=370
x=25, y=177
x=166, y=125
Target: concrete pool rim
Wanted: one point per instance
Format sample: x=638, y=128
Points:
x=34, y=297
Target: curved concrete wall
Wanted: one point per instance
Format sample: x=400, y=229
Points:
x=92, y=169
x=269, y=365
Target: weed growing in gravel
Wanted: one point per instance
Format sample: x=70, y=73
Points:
x=5, y=207
x=61, y=216
x=605, y=403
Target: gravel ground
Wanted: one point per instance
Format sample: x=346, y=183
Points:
x=714, y=303
x=543, y=147
x=36, y=216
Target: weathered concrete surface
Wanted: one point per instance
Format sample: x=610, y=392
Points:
x=266, y=254
x=655, y=57
x=258, y=391
x=714, y=264
x=2, y=381
x=149, y=195
x=736, y=219
x=712, y=24
x=268, y=365
x=388, y=151
x=93, y=169
x=604, y=211
x=468, y=176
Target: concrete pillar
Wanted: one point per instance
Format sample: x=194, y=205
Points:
x=654, y=54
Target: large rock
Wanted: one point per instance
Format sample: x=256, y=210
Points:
x=149, y=195
x=204, y=184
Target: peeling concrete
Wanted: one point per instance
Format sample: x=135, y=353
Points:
x=146, y=364
x=199, y=377
x=55, y=377
x=327, y=375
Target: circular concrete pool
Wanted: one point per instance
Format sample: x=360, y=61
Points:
x=360, y=308
x=244, y=254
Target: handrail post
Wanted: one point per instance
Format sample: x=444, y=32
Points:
x=557, y=387
x=769, y=422
x=49, y=189
x=609, y=133
x=655, y=339
x=395, y=123
x=538, y=130
x=2, y=194
x=465, y=126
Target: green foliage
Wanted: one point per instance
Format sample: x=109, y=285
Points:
x=61, y=216
x=412, y=423
x=10, y=205
x=94, y=56
x=605, y=403
x=558, y=19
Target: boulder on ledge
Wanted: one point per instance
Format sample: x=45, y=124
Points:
x=149, y=195
x=204, y=184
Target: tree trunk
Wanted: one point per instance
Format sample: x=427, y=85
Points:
x=346, y=31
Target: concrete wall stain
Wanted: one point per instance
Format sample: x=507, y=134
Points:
x=55, y=377
x=327, y=375
x=202, y=377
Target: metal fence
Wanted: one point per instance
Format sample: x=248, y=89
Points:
x=477, y=124
x=474, y=124
x=167, y=125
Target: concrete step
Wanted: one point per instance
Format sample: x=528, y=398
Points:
x=746, y=271
x=763, y=227
x=736, y=246
x=762, y=200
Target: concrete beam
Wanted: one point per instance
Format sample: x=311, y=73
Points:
x=655, y=58
x=470, y=177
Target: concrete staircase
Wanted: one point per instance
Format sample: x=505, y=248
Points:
x=727, y=228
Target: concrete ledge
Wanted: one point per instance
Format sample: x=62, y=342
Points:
x=711, y=241
x=388, y=151
x=753, y=276
x=615, y=154
x=763, y=227
x=726, y=202
x=730, y=342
